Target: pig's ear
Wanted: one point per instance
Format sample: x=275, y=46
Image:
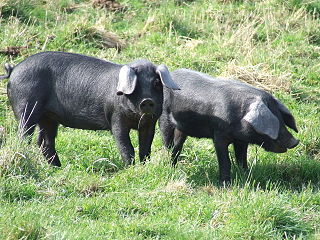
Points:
x=287, y=116
x=165, y=77
x=262, y=119
x=127, y=80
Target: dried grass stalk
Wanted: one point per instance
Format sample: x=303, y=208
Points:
x=2, y=134
x=190, y=43
x=3, y=91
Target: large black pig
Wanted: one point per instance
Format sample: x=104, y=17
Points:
x=52, y=88
x=229, y=112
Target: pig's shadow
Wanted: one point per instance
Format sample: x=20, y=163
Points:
x=287, y=176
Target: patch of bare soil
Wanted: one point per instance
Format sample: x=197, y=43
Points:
x=13, y=51
x=110, y=5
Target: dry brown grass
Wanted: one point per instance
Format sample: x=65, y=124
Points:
x=259, y=76
x=103, y=37
x=149, y=23
x=176, y=186
x=108, y=39
x=189, y=43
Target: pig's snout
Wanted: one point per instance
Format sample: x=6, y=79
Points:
x=147, y=105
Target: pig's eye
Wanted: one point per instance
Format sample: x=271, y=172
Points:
x=157, y=83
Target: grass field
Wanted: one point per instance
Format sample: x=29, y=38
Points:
x=273, y=44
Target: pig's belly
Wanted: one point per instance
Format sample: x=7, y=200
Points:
x=193, y=125
x=80, y=122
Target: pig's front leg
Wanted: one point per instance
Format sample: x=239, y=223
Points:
x=221, y=144
x=146, y=134
x=240, y=150
x=121, y=134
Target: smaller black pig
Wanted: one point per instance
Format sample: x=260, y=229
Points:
x=52, y=88
x=227, y=111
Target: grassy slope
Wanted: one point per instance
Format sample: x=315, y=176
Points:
x=93, y=196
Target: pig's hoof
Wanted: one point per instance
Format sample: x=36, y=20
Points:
x=55, y=162
x=225, y=183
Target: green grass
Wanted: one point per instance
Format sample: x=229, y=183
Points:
x=94, y=196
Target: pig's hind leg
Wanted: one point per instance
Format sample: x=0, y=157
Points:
x=178, y=141
x=167, y=130
x=47, y=133
x=28, y=114
x=172, y=137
